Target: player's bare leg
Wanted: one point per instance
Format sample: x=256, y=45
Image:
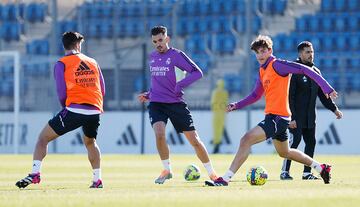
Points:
x=93, y=152
x=255, y=135
x=293, y=154
x=285, y=151
x=164, y=152
x=252, y=137
x=94, y=157
x=46, y=135
x=201, y=152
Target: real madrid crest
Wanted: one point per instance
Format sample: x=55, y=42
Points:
x=168, y=61
x=304, y=79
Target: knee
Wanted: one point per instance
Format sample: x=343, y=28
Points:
x=245, y=140
x=88, y=142
x=284, y=154
x=43, y=141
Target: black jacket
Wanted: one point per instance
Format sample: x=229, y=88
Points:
x=302, y=99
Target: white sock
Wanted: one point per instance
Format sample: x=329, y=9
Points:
x=96, y=174
x=166, y=164
x=316, y=166
x=209, y=168
x=36, y=166
x=228, y=175
x=306, y=174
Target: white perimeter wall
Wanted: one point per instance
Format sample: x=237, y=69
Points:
x=119, y=132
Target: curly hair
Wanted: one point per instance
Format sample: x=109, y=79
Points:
x=260, y=42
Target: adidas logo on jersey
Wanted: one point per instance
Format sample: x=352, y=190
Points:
x=83, y=69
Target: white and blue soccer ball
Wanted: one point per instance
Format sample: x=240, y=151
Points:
x=257, y=175
x=191, y=173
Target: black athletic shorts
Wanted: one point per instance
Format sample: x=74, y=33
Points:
x=275, y=127
x=66, y=121
x=178, y=113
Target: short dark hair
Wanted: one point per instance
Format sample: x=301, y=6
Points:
x=70, y=39
x=302, y=45
x=261, y=41
x=158, y=29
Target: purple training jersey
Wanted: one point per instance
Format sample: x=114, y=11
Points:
x=165, y=88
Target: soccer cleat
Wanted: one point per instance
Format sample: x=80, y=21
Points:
x=30, y=179
x=218, y=182
x=97, y=184
x=310, y=177
x=165, y=174
x=325, y=173
x=285, y=176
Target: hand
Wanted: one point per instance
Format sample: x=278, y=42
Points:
x=333, y=95
x=179, y=93
x=143, y=97
x=231, y=107
x=292, y=124
x=338, y=114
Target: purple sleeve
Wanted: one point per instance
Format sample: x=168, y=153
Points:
x=102, y=82
x=283, y=68
x=59, y=70
x=253, y=97
x=194, y=73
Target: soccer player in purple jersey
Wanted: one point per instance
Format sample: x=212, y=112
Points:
x=167, y=102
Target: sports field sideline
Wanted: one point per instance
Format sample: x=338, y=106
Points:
x=129, y=181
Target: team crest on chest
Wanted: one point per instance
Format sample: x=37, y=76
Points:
x=304, y=79
x=266, y=83
x=168, y=61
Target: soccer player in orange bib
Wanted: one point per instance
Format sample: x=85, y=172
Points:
x=81, y=89
x=273, y=82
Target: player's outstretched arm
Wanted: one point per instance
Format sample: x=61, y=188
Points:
x=284, y=68
x=254, y=96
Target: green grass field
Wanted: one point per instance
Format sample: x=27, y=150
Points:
x=129, y=181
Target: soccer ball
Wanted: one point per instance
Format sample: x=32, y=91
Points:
x=191, y=173
x=257, y=176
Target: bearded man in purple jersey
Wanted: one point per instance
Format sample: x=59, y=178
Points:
x=167, y=102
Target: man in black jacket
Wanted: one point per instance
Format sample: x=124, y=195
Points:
x=302, y=100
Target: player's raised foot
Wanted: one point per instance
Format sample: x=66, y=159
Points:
x=218, y=182
x=213, y=177
x=30, y=179
x=325, y=173
x=96, y=184
x=309, y=176
x=165, y=175
x=285, y=176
